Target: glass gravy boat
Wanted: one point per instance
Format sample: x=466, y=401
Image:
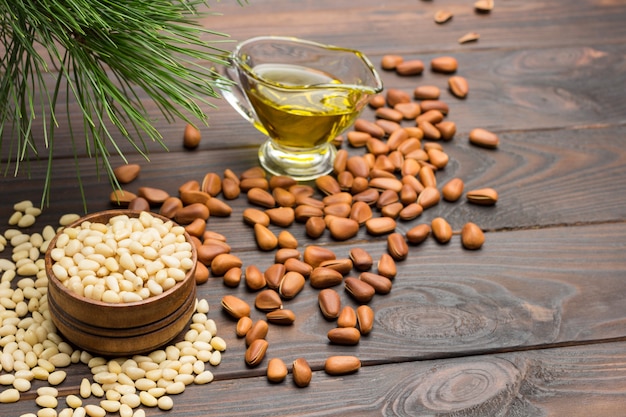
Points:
x=300, y=94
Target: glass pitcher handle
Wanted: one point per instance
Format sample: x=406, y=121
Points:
x=234, y=94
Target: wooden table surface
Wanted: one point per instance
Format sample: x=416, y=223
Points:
x=532, y=324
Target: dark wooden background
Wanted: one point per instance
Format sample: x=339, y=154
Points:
x=534, y=323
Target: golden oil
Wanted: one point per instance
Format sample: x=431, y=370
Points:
x=300, y=107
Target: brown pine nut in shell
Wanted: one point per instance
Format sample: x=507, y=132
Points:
x=256, y=352
x=484, y=138
x=261, y=197
x=389, y=62
x=453, y=189
x=441, y=229
x=395, y=96
x=281, y=181
x=344, y=335
x=273, y=275
x=122, y=198
x=283, y=317
x=296, y=265
x=314, y=255
x=283, y=254
x=302, y=373
x=253, y=216
x=232, y=277
x=472, y=237
x=322, y=277
x=418, y=234
x=365, y=319
x=244, y=324
x=347, y=317
x=361, y=291
x=363, y=125
x=397, y=246
x=170, y=206
x=268, y=300
x=127, y=173
x=429, y=197
x=361, y=259
x=386, y=266
x=381, y=284
x=291, y=284
x=235, y=306
x=343, y=265
x=223, y=262
x=482, y=196
x=258, y=330
x=329, y=303
x=283, y=197
x=458, y=86
x=444, y=64
x=266, y=239
x=276, y=370
x=410, y=67
x=342, y=365
x=211, y=184
x=255, y=280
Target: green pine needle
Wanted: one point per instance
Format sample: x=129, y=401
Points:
x=103, y=53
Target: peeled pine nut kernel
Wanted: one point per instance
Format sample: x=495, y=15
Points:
x=43, y=362
x=9, y=395
x=175, y=264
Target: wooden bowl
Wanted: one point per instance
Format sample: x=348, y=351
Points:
x=122, y=329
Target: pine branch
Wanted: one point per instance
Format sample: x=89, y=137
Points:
x=103, y=52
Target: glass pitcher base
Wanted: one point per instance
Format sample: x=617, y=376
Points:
x=301, y=166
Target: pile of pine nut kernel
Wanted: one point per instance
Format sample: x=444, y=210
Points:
x=33, y=355
x=125, y=260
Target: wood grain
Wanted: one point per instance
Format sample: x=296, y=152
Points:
x=543, y=178
x=524, y=289
x=532, y=324
x=566, y=87
x=590, y=381
x=570, y=84
x=576, y=381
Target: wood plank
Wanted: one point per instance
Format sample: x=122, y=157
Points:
x=543, y=178
x=567, y=82
x=530, y=325
x=410, y=26
x=524, y=289
x=511, y=24
x=510, y=90
x=575, y=381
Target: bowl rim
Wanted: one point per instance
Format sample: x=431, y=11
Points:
x=123, y=305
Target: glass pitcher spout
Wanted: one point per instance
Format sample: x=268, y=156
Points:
x=348, y=68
